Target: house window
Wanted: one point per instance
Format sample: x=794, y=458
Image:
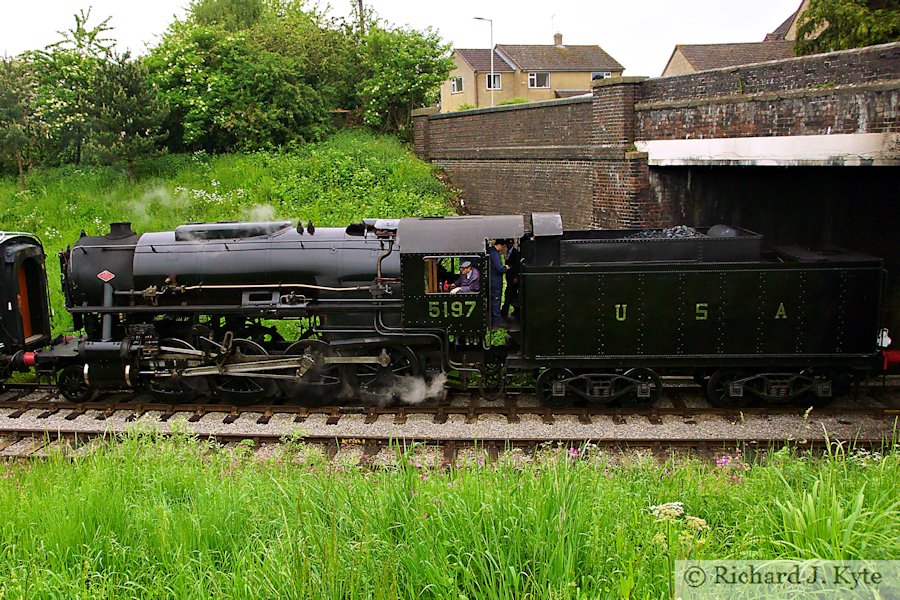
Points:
x=456, y=85
x=495, y=84
x=539, y=80
x=600, y=75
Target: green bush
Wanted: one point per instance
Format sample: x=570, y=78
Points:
x=466, y=106
x=516, y=100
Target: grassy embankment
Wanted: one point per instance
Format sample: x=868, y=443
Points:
x=347, y=178
x=169, y=518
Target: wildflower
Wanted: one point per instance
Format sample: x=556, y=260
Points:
x=668, y=511
x=660, y=538
x=695, y=523
x=573, y=452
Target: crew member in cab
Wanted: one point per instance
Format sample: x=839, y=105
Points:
x=468, y=281
x=498, y=269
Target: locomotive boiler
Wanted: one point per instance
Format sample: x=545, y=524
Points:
x=248, y=312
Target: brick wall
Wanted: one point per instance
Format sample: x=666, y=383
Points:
x=853, y=91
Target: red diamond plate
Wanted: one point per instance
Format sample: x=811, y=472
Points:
x=105, y=276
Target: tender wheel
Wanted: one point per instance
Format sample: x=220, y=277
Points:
x=321, y=382
x=175, y=389
x=719, y=389
x=243, y=390
x=551, y=380
x=71, y=384
x=645, y=392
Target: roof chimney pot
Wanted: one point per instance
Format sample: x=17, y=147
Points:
x=557, y=39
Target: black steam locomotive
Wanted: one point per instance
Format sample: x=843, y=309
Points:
x=247, y=312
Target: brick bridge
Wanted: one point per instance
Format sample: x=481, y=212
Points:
x=804, y=150
x=591, y=157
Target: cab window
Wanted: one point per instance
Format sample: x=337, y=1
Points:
x=442, y=271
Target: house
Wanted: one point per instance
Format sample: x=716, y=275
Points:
x=532, y=72
x=690, y=58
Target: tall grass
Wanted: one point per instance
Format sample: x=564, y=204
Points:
x=153, y=517
x=351, y=176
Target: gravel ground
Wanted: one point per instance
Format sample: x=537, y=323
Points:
x=487, y=427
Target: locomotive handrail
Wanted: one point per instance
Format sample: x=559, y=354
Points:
x=200, y=287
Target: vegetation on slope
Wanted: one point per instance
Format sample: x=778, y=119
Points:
x=351, y=176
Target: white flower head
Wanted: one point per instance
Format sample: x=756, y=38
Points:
x=668, y=511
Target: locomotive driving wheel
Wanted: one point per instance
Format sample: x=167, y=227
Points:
x=71, y=384
x=243, y=390
x=175, y=389
x=552, y=388
x=319, y=383
x=378, y=379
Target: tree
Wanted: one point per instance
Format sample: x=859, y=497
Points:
x=403, y=69
x=231, y=15
x=15, y=117
x=63, y=73
x=828, y=25
x=126, y=115
x=268, y=85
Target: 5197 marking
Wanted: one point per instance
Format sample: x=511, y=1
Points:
x=456, y=309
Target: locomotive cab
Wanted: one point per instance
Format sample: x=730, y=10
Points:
x=23, y=293
x=432, y=253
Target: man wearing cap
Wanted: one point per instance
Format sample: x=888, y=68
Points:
x=498, y=269
x=468, y=281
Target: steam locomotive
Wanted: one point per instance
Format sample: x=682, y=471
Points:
x=252, y=311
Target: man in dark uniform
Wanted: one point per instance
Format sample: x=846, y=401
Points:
x=498, y=269
x=511, y=295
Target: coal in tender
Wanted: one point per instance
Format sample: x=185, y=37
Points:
x=677, y=232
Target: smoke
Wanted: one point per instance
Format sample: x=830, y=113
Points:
x=415, y=390
x=261, y=212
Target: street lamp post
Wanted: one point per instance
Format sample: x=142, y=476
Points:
x=491, y=83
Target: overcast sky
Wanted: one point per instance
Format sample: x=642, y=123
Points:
x=640, y=34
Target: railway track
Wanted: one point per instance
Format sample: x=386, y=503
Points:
x=33, y=420
x=471, y=408
x=37, y=443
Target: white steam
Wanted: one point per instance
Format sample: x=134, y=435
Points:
x=260, y=212
x=415, y=390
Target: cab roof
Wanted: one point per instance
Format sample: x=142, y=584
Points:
x=466, y=234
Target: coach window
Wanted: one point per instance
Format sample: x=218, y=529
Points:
x=442, y=271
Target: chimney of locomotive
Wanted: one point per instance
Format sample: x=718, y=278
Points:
x=121, y=229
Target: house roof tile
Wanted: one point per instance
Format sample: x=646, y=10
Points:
x=559, y=58
x=715, y=56
x=480, y=60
